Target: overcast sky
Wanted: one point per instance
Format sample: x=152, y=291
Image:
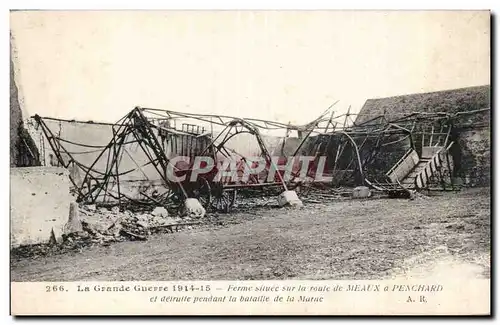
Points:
x=285, y=66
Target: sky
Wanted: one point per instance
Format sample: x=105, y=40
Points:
x=288, y=66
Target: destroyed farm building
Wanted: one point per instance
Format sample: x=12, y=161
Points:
x=395, y=146
x=431, y=140
x=465, y=110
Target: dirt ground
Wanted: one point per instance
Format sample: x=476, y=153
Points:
x=341, y=239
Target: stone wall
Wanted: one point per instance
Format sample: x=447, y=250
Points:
x=39, y=204
x=23, y=151
x=475, y=151
x=15, y=118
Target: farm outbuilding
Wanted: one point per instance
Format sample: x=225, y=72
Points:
x=466, y=109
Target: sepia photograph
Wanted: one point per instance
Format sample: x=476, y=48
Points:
x=221, y=158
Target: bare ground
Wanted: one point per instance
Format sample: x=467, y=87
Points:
x=343, y=239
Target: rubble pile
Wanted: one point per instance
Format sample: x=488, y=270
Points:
x=88, y=225
x=100, y=225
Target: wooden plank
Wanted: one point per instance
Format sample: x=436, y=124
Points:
x=432, y=134
x=404, y=168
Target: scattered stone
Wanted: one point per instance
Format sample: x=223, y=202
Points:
x=289, y=198
x=160, y=212
x=193, y=208
x=115, y=209
x=143, y=224
x=361, y=192
x=90, y=207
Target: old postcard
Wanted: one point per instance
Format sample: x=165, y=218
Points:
x=250, y=162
